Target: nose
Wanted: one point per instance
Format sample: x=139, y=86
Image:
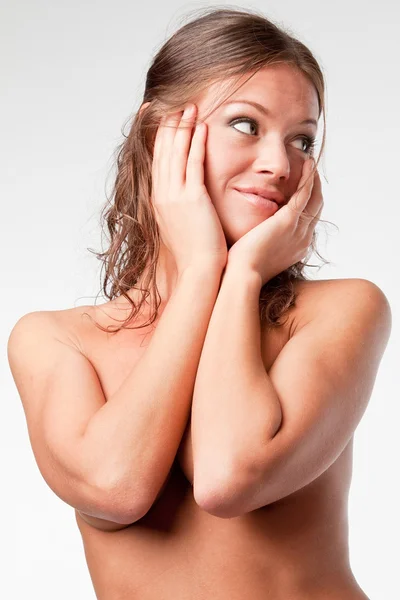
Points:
x=272, y=158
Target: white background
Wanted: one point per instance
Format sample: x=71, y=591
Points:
x=72, y=73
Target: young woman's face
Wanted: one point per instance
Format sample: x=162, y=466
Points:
x=246, y=147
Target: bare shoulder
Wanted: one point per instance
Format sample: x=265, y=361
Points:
x=42, y=346
x=36, y=344
x=81, y=328
x=343, y=300
x=327, y=291
x=41, y=325
x=33, y=328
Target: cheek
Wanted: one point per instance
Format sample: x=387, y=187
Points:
x=218, y=157
x=222, y=156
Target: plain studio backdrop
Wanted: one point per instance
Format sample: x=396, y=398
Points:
x=72, y=73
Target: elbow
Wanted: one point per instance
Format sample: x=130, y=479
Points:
x=208, y=490
x=218, y=507
x=223, y=501
x=127, y=502
x=226, y=496
x=118, y=508
x=118, y=503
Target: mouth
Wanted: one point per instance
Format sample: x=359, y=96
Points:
x=259, y=201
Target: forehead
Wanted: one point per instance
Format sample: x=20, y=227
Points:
x=280, y=87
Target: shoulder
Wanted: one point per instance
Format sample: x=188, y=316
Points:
x=352, y=301
x=325, y=292
x=41, y=352
x=32, y=329
x=33, y=325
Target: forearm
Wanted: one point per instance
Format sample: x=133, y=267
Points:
x=135, y=435
x=235, y=407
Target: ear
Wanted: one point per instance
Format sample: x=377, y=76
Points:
x=145, y=105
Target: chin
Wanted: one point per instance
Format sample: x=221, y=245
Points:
x=236, y=229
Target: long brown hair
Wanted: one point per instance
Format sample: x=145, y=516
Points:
x=217, y=45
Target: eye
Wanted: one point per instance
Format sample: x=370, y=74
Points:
x=309, y=143
x=246, y=120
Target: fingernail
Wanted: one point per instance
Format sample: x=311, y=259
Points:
x=188, y=110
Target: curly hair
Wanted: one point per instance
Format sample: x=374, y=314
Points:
x=217, y=45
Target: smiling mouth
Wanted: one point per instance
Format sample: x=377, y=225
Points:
x=260, y=201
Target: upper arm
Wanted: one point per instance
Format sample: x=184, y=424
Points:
x=60, y=392
x=323, y=377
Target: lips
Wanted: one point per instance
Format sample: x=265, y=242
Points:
x=264, y=193
x=259, y=202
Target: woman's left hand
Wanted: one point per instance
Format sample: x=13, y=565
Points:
x=284, y=238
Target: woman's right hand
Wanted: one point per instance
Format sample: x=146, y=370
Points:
x=188, y=222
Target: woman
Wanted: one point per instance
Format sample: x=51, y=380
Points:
x=210, y=455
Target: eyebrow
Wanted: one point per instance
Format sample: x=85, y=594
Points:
x=266, y=112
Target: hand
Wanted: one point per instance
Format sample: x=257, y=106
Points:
x=188, y=222
x=284, y=238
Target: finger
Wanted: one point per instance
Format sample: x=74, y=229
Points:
x=182, y=141
x=195, y=161
x=301, y=196
x=156, y=151
x=165, y=151
x=312, y=224
x=315, y=199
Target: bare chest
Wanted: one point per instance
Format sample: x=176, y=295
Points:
x=305, y=533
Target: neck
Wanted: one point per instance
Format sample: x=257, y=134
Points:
x=166, y=277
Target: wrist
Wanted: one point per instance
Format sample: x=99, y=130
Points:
x=203, y=270
x=242, y=275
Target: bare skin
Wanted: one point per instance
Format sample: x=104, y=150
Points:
x=295, y=548
x=234, y=157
